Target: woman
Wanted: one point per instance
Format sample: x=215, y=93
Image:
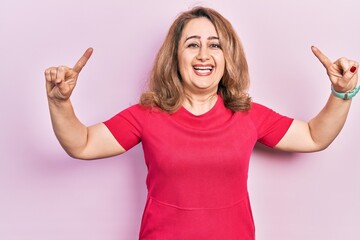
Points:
x=198, y=127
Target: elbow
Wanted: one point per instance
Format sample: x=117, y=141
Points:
x=86, y=155
x=322, y=146
x=78, y=152
x=78, y=155
x=81, y=157
x=74, y=155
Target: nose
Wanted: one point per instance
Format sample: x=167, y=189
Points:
x=203, y=54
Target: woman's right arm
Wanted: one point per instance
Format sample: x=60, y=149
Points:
x=78, y=140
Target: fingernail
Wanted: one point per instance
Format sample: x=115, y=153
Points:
x=353, y=69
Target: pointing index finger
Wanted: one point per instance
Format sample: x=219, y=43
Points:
x=83, y=60
x=322, y=58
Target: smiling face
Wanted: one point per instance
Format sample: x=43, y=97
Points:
x=200, y=58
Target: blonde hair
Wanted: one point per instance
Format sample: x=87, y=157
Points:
x=165, y=86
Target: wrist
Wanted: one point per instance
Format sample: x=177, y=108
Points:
x=58, y=103
x=345, y=95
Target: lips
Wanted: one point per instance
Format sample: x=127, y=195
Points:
x=203, y=70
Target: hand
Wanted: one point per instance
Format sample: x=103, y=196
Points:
x=61, y=81
x=343, y=72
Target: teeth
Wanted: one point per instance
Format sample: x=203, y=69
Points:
x=203, y=68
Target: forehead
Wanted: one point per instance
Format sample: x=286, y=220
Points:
x=199, y=27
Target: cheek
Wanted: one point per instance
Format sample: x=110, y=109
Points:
x=219, y=58
x=184, y=65
x=221, y=65
x=180, y=66
x=183, y=69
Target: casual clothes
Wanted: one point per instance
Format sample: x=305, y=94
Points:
x=197, y=167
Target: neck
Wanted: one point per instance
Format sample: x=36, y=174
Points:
x=199, y=104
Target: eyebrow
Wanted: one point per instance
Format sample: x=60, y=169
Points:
x=198, y=37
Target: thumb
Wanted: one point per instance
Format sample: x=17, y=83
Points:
x=60, y=80
x=63, y=87
x=62, y=84
x=83, y=60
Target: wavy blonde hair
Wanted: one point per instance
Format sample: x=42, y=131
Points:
x=165, y=85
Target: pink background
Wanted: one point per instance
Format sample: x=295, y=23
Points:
x=44, y=194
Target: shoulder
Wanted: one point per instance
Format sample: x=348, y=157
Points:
x=260, y=113
x=138, y=109
x=133, y=117
x=140, y=113
x=257, y=109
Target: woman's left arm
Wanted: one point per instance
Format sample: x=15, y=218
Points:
x=318, y=133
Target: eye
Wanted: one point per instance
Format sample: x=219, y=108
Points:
x=193, y=45
x=215, y=45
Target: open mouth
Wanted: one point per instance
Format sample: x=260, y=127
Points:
x=203, y=70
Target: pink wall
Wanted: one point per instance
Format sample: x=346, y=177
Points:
x=44, y=194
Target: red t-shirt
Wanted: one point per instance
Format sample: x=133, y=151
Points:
x=197, y=167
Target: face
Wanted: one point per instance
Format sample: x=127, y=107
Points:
x=201, y=60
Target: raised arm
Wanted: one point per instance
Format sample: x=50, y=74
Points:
x=78, y=140
x=319, y=132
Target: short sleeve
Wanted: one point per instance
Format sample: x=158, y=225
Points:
x=126, y=126
x=271, y=126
